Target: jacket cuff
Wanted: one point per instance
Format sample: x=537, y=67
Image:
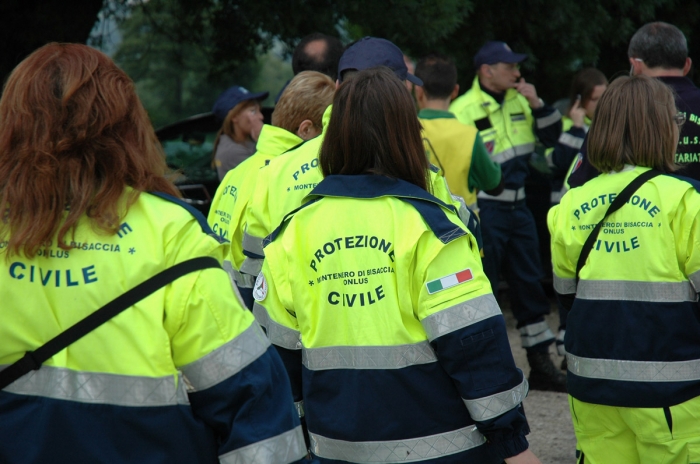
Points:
x=509, y=448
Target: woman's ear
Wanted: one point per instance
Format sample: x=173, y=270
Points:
x=307, y=130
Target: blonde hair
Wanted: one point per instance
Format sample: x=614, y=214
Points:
x=306, y=97
x=634, y=125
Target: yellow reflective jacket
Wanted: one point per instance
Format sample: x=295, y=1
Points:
x=390, y=326
x=118, y=393
x=226, y=216
x=632, y=334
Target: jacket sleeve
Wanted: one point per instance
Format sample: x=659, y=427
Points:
x=567, y=147
x=563, y=270
x=466, y=328
x=547, y=125
x=257, y=227
x=484, y=173
x=236, y=381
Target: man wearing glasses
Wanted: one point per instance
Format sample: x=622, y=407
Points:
x=660, y=50
x=509, y=116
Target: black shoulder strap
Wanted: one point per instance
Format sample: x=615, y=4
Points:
x=32, y=360
x=617, y=203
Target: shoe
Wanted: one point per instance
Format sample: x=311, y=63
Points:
x=543, y=373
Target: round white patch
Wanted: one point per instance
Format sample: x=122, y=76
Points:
x=260, y=288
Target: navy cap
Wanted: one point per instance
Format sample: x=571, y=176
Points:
x=370, y=52
x=232, y=97
x=497, y=52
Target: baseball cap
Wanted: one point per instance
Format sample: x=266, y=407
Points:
x=370, y=52
x=497, y=52
x=232, y=97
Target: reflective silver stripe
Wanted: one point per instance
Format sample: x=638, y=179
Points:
x=512, y=152
x=506, y=195
x=635, y=291
x=564, y=286
x=488, y=407
x=548, y=120
x=277, y=333
x=252, y=267
x=299, y=405
x=694, y=279
x=368, y=357
x=242, y=280
x=463, y=213
x=408, y=450
x=461, y=315
x=634, y=371
x=533, y=334
x=561, y=350
x=282, y=449
x=227, y=360
x=253, y=244
x=570, y=140
x=92, y=387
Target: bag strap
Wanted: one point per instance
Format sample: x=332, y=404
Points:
x=32, y=360
x=617, y=203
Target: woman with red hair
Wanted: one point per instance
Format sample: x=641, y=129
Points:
x=183, y=373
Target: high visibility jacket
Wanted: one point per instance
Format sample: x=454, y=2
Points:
x=390, y=328
x=226, y=216
x=562, y=155
x=633, y=335
x=507, y=131
x=119, y=394
x=282, y=185
x=457, y=149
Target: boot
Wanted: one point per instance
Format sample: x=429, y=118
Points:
x=543, y=373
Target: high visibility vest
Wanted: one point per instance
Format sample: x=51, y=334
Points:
x=506, y=129
x=390, y=325
x=119, y=393
x=226, y=215
x=632, y=335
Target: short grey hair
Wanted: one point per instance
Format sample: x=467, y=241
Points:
x=659, y=45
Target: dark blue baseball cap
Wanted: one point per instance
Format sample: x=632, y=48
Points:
x=232, y=97
x=370, y=52
x=497, y=52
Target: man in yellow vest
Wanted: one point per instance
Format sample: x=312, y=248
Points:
x=456, y=148
x=509, y=116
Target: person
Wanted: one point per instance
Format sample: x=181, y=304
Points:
x=241, y=122
x=184, y=375
x=316, y=52
x=396, y=315
x=281, y=186
x=504, y=108
x=457, y=149
x=632, y=336
x=660, y=50
x=297, y=117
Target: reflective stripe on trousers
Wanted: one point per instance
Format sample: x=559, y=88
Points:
x=534, y=334
x=282, y=449
x=408, y=450
x=634, y=371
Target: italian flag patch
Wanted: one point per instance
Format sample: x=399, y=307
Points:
x=449, y=281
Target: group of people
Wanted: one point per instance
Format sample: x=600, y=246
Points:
x=363, y=243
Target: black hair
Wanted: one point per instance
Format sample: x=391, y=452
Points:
x=439, y=75
x=325, y=62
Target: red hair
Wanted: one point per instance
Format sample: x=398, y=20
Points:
x=74, y=135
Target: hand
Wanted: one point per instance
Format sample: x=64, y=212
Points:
x=577, y=114
x=528, y=91
x=526, y=457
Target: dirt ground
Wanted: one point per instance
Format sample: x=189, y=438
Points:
x=552, y=433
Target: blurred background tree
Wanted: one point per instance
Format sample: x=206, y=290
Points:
x=183, y=53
